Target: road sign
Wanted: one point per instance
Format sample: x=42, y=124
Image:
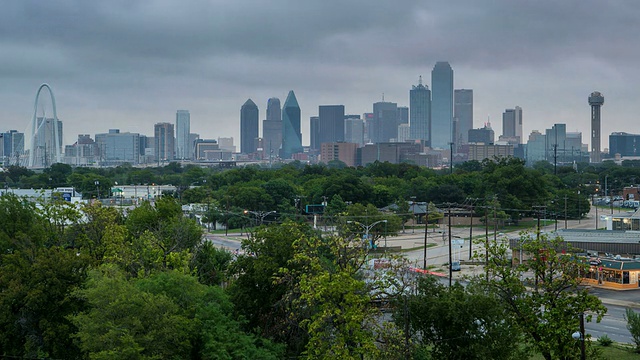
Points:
x=457, y=241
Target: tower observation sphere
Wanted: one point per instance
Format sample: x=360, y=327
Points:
x=596, y=100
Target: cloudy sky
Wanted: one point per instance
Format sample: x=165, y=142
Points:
x=129, y=64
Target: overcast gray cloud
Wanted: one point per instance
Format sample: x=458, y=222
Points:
x=129, y=64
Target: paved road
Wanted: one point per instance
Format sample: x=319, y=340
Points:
x=613, y=325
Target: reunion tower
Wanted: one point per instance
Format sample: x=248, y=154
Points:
x=595, y=100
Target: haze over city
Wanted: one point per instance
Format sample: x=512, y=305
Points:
x=129, y=65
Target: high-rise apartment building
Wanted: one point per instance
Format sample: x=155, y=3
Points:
x=385, y=122
x=596, y=100
x=463, y=112
x=420, y=112
x=330, y=123
x=249, y=123
x=272, y=128
x=291, y=135
x=184, y=150
x=441, y=105
x=512, y=123
x=164, y=142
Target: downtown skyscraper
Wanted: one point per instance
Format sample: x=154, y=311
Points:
x=385, y=122
x=512, y=123
x=330, y=124
x=249, y=123
x=184, y=149
x=463, y=113
x=420, y=112
x=441, y=105
x=272, y=128
x=164, y=146
x=291, y=135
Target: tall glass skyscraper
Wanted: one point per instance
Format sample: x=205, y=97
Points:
x=249, y=123
x=463, y=111
x=420, y=112
x=183, y=128
x=441, y=105
x=291, y=135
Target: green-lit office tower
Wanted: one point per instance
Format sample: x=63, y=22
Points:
x=291, y=135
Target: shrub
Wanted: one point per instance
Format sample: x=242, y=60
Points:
x=605, y=340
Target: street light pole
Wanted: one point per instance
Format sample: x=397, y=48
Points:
x=366, y=228
x=579, y=335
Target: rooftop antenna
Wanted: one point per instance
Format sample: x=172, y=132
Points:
x=382, y=97
x=420, y=80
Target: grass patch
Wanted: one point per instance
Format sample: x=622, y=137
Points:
x=613, y=351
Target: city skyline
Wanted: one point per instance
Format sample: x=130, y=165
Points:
x=128, y=67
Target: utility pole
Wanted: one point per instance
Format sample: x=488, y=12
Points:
x=426, y=234
x=495, y=222
x=451, y=159
x=565, y=211
x=450, y=259
x=486, y=240
x=471, y=230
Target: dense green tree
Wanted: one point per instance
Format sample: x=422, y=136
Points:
x=20, y=224
x=168, y=315
x=342, y=323
x=258, y=296
x=633, y=325
x=548, y=312
x=458, y=322
x=211, y=264
x=403, y=211
x=37, y=286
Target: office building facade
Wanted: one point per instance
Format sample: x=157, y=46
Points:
x=249, y=124
x=483, y=135
x=183, y=128
x=354, y=129
x=385, y=122
x=164, y=142
x=441, y=105
x=117, y=148
x=463, y=113
x=291, y=135
x=272, y=128
x=624, y=144
x=512, y=123
x=420, y=112
x=330, y=123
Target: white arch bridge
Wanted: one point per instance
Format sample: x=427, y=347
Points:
x=45, y=148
